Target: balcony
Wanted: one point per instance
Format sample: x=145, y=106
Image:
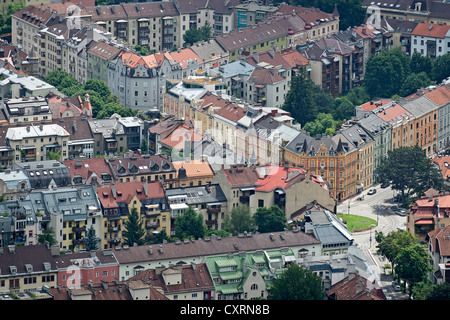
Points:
x=244, y=199
x=77, y=241
x=114, y=228
x=152, y=225
x=213, y=210
x=115, y=240
x=79, y=229
x=211, y=222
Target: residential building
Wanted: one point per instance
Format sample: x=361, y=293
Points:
x=189, y=282
x=150, y=24
x=26, y=110
x=329, y=230
x=109, y=136
x=192, y=173
x=254, y=39
x=69, y=107
x=427, y=214
x=425, y=123
x=317, y=23
x=211, y=53
x=251, y=13
x=266, y=186
x=355, y=287
x=247, y=275
x=141, y=168
x=38, y=143
x=441, y=97
x=86, y=268
x=430, y=39
x=208, y=200
x=99, y=56
x=119, y=199
x=46, y=174
x=26, y=268
x=93, y=171
x=134, y=260
x=235, y=75
x=81, y=140
x=266, y=87
x=358, y=146
x=14, y=185
x=71, y=211
x=18, y=85
x=160, y=131
x=411, y=10
x=181, y=142
x=381, y=133
x=366, y=109
x=437, y=241
x=401, y=33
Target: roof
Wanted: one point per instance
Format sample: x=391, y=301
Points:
x=294, y=58
x=274, y=177
x=231, y=112
x=104, y=51
x=432, y=30
x=356, y=287
x=440, y=241
x=394, y=114
x=270, y=56
x=440, y=96
x=214, y=246
x=19, y=133
x=35, y=255
x=311, y=16
x=420, y=106
x=374, y=104
x=140, y=165
x=183, y=57
x=250, y=36
x=84, y=259
x=86, y=167
x=208, y=194
x=265, y=76
x=194, y=278
x=178, y=137
x=78, y=128
x=194, y=168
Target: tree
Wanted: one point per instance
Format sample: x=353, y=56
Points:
x=441, y=68
x=142, y=50
x=410, y=171
x=100, y=87
x=300, y=99
x=389, y=246
x=190, y=224
x=297, y=283
x=422, y=290
x=413, y=265
x=5, y=19
x=194, y=35
x=47, y=236
x=134, y=231
x=358, y=95
x=343, y=109
x=270, y=219
x=159, y=238
x=320, y=125
x=385, y=73
x=144, y=146
x=438, y=292
x=53, y=155
x=420, y=63
x=90, y=242
x=413, y=82
x=239, y=220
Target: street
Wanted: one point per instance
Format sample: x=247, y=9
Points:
x=376, y=206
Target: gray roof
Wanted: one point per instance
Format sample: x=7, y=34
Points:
x=235, y=68
x=13, y=178
x=296, y=144
x=373, y=124
x=200, y=194
x=327, y=227
x=41, y=173
x=419, y=106
x=106, y=126
x=207, y=50
x=356, y=135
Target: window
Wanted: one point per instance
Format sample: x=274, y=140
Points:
x=254, y=287
x=260, y=203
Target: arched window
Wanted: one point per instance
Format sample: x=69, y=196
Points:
x=254, y=287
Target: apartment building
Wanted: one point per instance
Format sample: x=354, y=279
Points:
x=34, y=143
x=26, y=110
x=99, y=56
x=430, y=39
x=251, y=13
x=441, y=97
x=17, y=85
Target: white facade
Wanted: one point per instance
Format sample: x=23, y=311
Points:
x=430, y=46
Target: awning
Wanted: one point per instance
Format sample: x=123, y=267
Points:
x=175, y=206
x=247, y=189
x=214, y=204
x=143, y=19
x=121, y=21
x=236, y=78
x=259, y=85
x=152, y=206
x=424, y=221
x=28, y=147
x=326, y=61
x=100, y=22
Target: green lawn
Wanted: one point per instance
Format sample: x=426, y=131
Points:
x=355, y=223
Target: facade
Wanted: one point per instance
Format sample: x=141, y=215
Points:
x=441, y=97
x=89, y=171
x=109, y=136
x=26, y=110
x=98, y=57
x=430, y=39
x=133, y=260
x=47, y=174
x=27, y=268
x=437, y=241
x=37, y=143
x=14, y=185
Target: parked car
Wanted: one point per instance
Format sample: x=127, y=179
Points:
x=372, y=191
x=385, y=185
x=397, y=288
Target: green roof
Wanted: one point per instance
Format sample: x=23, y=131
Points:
x=223, y=263
x=258, y=259
x=228, y=288
x=231, y=275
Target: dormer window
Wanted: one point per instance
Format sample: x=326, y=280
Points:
x=29, y=268
x=13, y=269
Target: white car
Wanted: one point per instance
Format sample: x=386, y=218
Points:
x=372, y=191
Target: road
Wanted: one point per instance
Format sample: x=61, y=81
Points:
x=378, y=207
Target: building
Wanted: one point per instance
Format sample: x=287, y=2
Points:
x=247, y=275
x=251, y=13
x=45, y=174
x=430, y=39
x=427, y=214
x=356, y=287
x=425, y=123
x=134, y=260
x=14, y=185
x=38, y=143
x=109, y=136
x=18, y=85
x=180, y=282
x=93, y=171
x=209, y=200
x=437, y=241
x=99, y=55
x=26, y=268
x=329, y=230
x=441, y=97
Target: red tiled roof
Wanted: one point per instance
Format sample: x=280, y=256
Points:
x=232, y=112
x=294, y=58
x=87, y=167
x=265, y=76
x=183, y=56
x=356, y=288
x=390, y=114
x=424, y=221
x=433, y=30
x=443, y=163
x=372, y=105
x=439, y=96
x=278, y=177
x=177, y=138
